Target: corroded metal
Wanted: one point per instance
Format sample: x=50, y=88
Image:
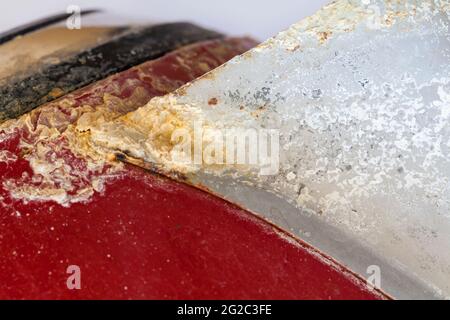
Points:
x=43, y=138
x=134, y=47
x=360, y=94
x=157, y=239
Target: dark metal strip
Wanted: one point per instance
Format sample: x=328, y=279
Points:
x=121, y=53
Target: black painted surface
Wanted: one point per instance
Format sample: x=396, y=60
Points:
x=121, y=53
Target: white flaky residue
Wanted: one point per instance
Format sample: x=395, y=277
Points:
x=360, y=95
x=7, y=156
x=63, y=166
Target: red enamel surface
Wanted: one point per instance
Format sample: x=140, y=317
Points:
x=147, y=236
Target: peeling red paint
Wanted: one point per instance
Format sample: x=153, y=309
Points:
x=145, y=236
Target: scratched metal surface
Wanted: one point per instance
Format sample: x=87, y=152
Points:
x=360, y=93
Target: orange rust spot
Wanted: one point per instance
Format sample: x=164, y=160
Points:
x=212, y=101
x=56, y=93
x=151, y=167
x=255, y=114
x=324, y=35
x=181, y=91
x=24, y=151
x=210, y=75
x=111, y=157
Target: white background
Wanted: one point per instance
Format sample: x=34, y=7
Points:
x=260, y=19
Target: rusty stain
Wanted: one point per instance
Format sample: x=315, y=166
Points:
x=247, y=55
x=210, y=76
x=149, y=166
x=212, y=101
x=24, y=151
x=182, y=90
x=56, y=93
x=324, y=35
